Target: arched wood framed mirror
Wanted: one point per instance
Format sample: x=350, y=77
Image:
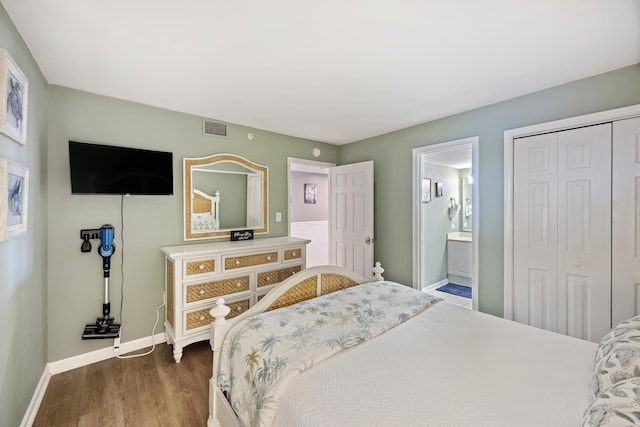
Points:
x=224, y=192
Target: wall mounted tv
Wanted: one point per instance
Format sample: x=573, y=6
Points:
x=106, y=169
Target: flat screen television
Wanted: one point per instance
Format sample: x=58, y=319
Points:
x=106, y=169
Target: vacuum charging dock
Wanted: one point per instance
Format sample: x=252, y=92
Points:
x=99, y=331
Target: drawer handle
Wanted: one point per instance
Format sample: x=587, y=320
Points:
x=201, y=291
x=293, y=272
x=293, y=254
x=201, y=318
x=201, y=267
x=268, y=258
x=268, y=279
x=239, y=284
x=237, y=262
x=239, y=308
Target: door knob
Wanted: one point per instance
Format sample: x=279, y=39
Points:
x=367, y=240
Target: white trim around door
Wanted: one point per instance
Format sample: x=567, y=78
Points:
x=475, y=219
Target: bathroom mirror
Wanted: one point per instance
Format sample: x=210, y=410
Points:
x=224, y=192
x=465, y=204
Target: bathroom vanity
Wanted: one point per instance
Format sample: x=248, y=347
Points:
x=459, y=257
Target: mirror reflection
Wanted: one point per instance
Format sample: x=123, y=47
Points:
x=466, y=203
x=224, y=192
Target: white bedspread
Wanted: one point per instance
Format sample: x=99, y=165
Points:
x=447, y=366
x=266, y=351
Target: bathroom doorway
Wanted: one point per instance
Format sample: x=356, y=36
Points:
x=445, y=215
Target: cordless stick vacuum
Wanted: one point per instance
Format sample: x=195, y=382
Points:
x=104, y=326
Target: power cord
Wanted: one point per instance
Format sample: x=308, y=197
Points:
x=116, y=341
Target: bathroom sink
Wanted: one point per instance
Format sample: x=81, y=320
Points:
x=460, y=236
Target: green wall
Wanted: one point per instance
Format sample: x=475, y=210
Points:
x=23, y=259
x=391, y=154
x=75, y=279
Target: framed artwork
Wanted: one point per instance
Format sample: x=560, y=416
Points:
x=14, y=199
x=14, y=92
x=439, y=189
x=426, y=190
x=310, y=193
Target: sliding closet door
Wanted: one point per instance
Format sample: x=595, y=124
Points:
x=626, y=220
x=562, y=231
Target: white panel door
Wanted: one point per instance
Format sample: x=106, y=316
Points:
x=535, y=227
x=584, y=232
x=351, y=220
x=626, y=220
x=562, y=231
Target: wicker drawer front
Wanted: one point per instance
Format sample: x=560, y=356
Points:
x=198, y=267
x=250, y=260
x=216, y=288
x=276, y=276
x=237, y=308
x=290, y=254
x=199, y=318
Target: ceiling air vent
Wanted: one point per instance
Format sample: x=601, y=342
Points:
x=214, y=128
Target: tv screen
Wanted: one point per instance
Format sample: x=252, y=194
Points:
x=106, y=169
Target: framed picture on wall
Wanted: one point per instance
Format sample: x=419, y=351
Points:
x=14, y=203
x=426, y=190
x=310, y=193
x=14, y=89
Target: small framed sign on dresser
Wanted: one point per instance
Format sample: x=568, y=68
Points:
x=237, y=235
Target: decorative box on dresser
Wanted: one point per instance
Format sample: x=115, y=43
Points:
x=241, y=272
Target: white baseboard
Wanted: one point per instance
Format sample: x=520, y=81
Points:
x=103, y=354
x=74, y=362
x=434, y=286
x=36, y=399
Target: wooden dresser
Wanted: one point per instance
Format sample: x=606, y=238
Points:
x=241, y=272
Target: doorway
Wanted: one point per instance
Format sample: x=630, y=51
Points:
x=309, y=206
x=443, y=205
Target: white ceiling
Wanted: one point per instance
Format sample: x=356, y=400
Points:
x=335, y=70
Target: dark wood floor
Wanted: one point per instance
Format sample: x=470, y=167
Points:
x=145, y=391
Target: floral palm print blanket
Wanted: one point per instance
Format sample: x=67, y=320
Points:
x=263, y=352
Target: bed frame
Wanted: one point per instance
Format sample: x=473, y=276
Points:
x=204, y=203
x=306, y=284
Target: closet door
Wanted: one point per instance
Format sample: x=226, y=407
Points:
x=562, y=231
x=626, y=220
x=535, y=230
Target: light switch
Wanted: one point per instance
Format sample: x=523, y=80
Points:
x=278, y=216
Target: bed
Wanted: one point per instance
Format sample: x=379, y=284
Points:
x=205, y=211
x=434, y=363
